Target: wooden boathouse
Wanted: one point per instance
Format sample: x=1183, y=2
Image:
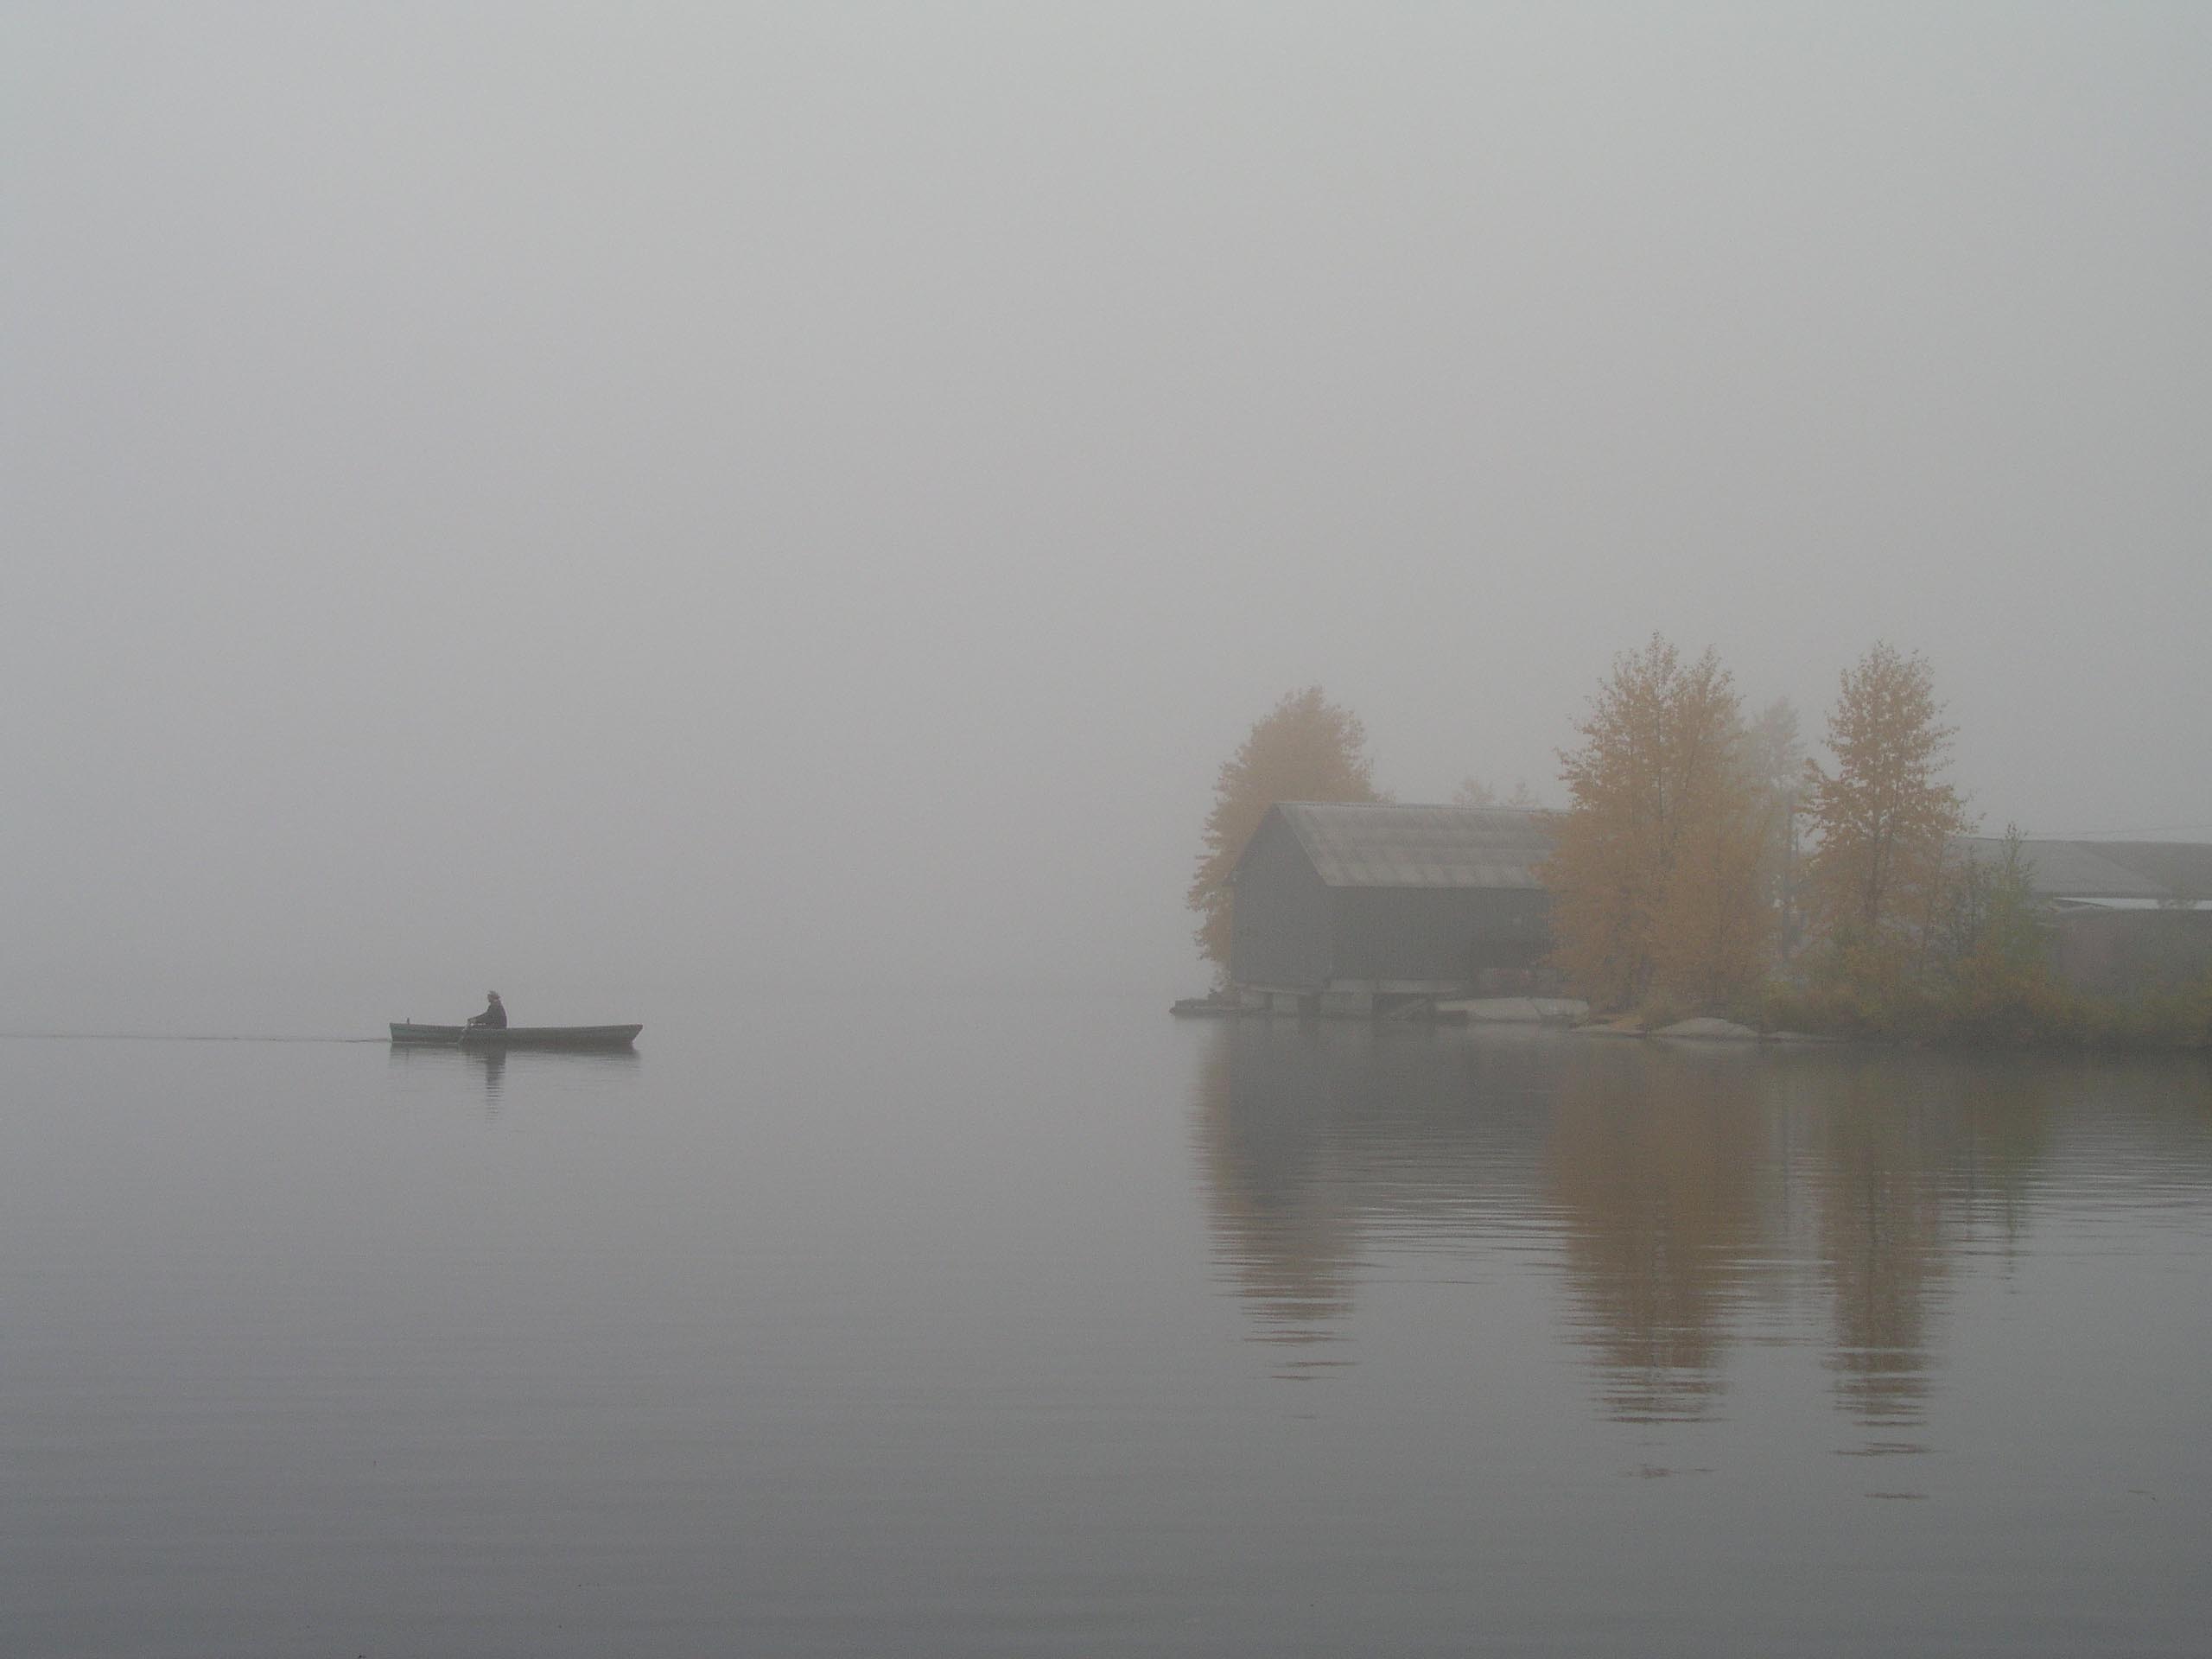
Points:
x=1348, y=909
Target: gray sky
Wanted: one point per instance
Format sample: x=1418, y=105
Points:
x=559, y=496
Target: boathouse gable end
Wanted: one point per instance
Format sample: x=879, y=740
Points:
x=1282, y=915
x=1367, y=900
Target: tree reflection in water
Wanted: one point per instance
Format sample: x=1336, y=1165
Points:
x=1653, y=1164
x=1687, y=1199
x=1875, y=1179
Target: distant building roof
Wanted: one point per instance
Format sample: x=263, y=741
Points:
x=1393, y=846
x=2143, y=870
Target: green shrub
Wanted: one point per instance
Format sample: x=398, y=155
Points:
x=1986, y=1001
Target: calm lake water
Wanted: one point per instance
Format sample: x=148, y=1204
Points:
x=1064, y=1328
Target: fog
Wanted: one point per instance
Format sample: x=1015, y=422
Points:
x=609, y=501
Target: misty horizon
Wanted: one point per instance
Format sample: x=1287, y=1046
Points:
x=603, y=505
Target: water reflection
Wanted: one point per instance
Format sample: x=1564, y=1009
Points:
x=1654, y=1164
x=1876, y=1186
x=1282, y=1226
x=487, y=1066
x=1319, y=1141
x=1685, y=1201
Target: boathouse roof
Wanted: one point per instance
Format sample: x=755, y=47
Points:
x=2130, y=870
x=1386, y=845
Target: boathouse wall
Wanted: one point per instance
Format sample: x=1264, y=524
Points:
x=2132, y=952
x=1436, y=935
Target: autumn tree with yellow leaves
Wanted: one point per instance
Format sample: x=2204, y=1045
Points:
x=1306, y=749
x=1654, y=876
x=1883, y=819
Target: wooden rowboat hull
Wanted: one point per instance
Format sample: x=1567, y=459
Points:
x=600, y=1037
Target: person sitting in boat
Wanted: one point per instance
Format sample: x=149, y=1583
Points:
x=493, y=1015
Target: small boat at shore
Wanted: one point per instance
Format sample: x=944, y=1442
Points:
x=1211, y=1008
x=594, y=1038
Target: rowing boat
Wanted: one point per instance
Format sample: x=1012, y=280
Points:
x=406, y=1034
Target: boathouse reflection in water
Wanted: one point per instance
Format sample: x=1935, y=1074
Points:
x=1689, y=1200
